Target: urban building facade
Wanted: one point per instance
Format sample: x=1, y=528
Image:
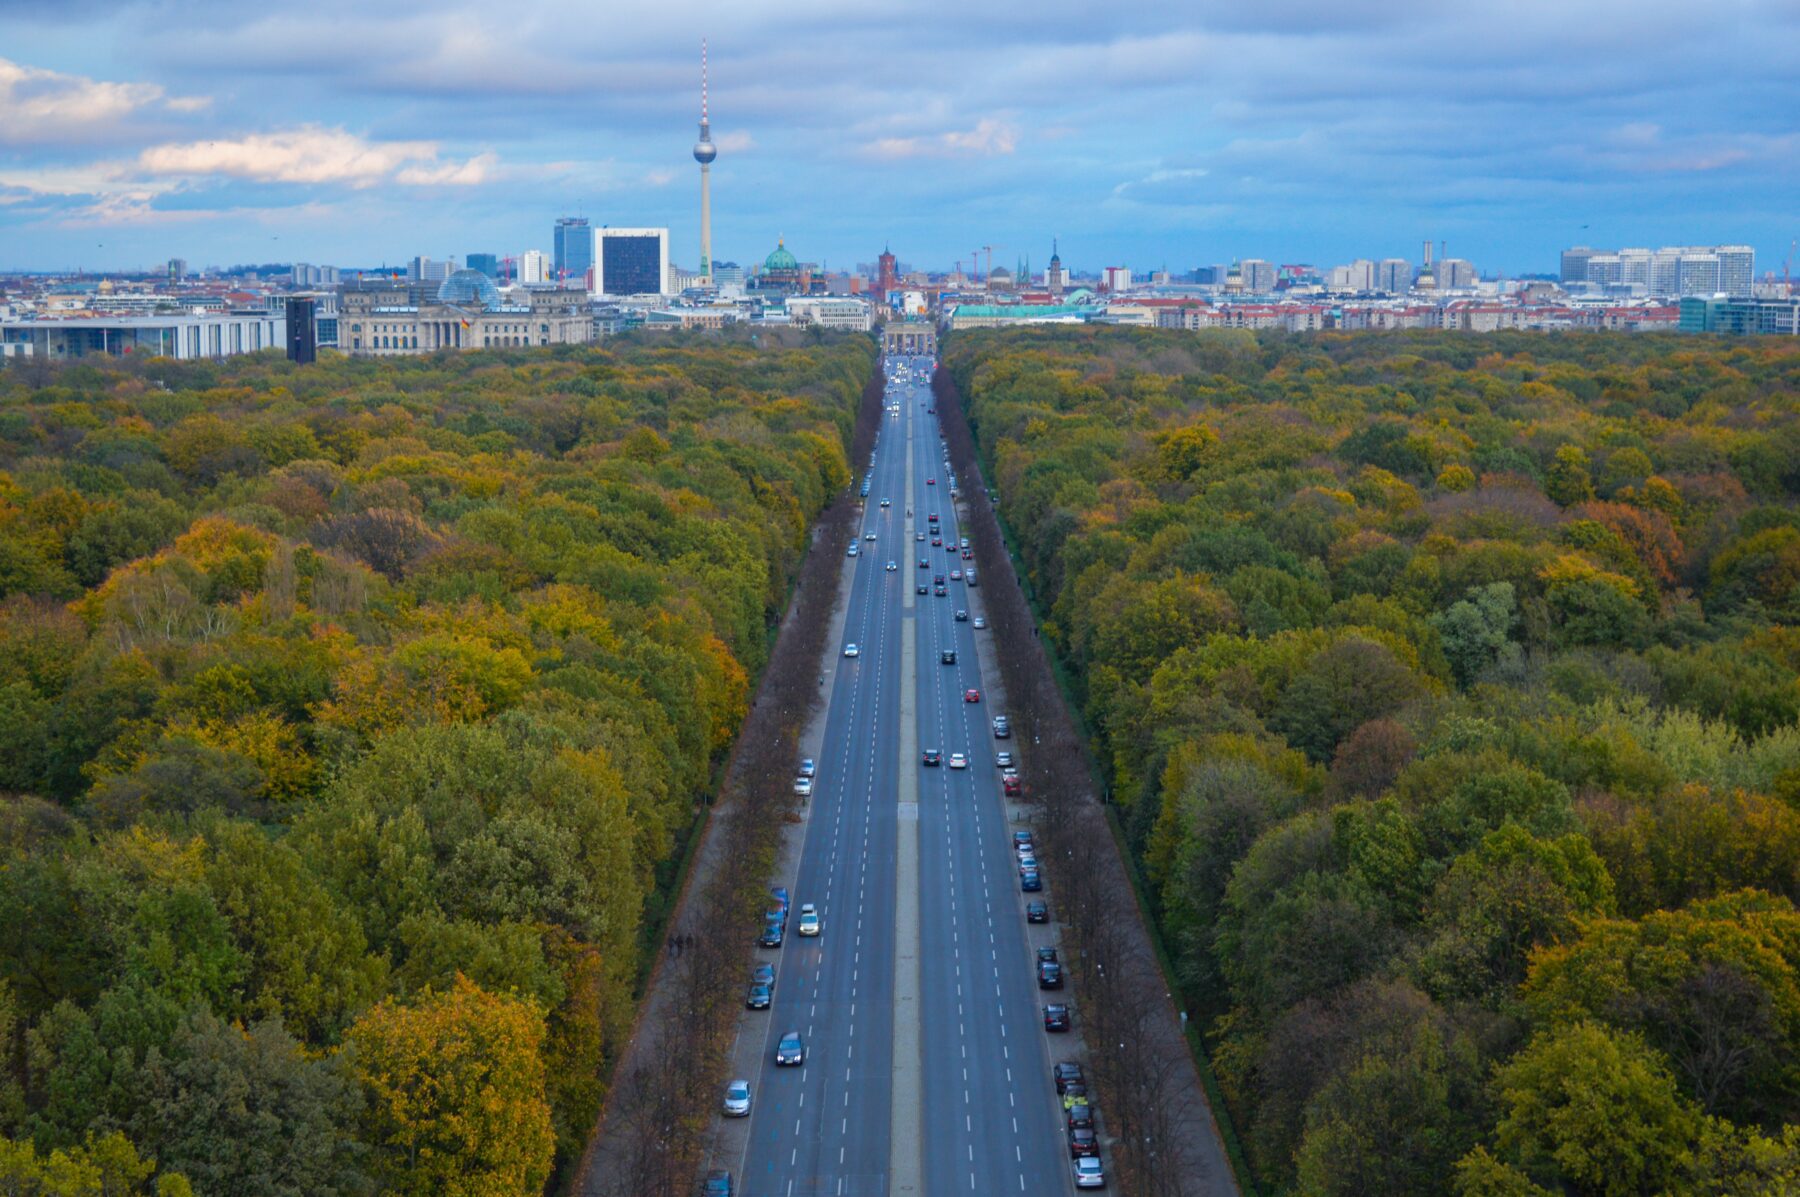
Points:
x=465, y=314
x=186, y=336
x=572, y=248
x=1671, y=270
x=631, y=261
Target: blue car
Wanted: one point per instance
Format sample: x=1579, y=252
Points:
x=1030, y=882
x=790, y=1051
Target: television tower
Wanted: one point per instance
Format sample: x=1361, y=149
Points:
x=704, y=153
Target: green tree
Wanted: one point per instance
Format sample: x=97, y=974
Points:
x=1476, y=631
x=1569, y=481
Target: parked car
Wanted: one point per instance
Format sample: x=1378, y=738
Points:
x=1082, y=1142
x=1021, y=841
x=1081, y=1114
x=803, y=786
x=737, y=1099
x=763, y=974
x=758, y=997
x=1030, y=882
x=1037, y=912
x=772, y=933
x=1002, y=727
x=1049, y=975
x=1044, y=953
x=717, y=1184
x=1065, y=1072
x=1088, y=1174
x=1004, y=760
x=980, y=622
x=852, y=551
x=1056, y=1017
x=1010, y=785
x=807, y=766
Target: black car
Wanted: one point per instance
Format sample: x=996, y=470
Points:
x=1049, y=974
x=948, y=656
x=962, y=617
x=924, y=564
x=771, y=933
x=1056, y=1017
x=933, y=757
x=758, y=997
x=1081, y=1116
x=1082, y=1142
x=924, y=589
x=939, y=591
x=1065, y=1073
x=1037, y=912
x=1046, y=954
x=937, y=579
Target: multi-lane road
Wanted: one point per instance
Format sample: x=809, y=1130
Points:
x=927, y=1067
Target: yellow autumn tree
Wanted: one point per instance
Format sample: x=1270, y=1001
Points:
x=456, y=1103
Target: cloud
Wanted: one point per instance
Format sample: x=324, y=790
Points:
x=311, y=154
x=40, y=106
x=989, y=138
x=734, y=143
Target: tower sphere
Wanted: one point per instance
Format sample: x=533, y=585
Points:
x=705, y=151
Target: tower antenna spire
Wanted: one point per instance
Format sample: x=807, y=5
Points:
x=704, y=153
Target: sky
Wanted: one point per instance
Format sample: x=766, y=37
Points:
x=1145, y=134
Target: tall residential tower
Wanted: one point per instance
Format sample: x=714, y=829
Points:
x=704, y=153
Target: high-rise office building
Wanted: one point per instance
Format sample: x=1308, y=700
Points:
x=1116, y=278
x=428, y=270
x=534, y=266
x=1670, y=270
x=488, y=264
x=1394, y=275
x=573, y=250
x=1456, y=273
x=1259, y=276
x=1575, y=263
x=631, y=261
x=1737, y=268
x=302, y=332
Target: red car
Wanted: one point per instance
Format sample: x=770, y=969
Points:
x=931, y=482
x=1011, y=786
x=971, y=696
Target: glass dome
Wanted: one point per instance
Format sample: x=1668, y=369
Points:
x=469, y=288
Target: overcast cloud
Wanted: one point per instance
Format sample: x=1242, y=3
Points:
x=1166, y=134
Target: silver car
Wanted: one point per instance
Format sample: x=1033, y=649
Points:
x=737, y=1099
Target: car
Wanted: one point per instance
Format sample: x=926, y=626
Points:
x=763, y=974
x=1010, y=786
x=1082, y=1142
x=1004, y=760
x=892, y=566
x=931, y=482
x=1056, y=1017
x=919, y=536
x=971, y=695
x=958, y=761
x=737, y=1099
x=962, y=616
x=1021, y=841
x=780, y=894
x=868, y=536
x=932, y=518
x=850, y=650
x=939, y=591
x=968, y=555
x=790, y=1050
x=1079, y=1115
x=1002, y=727
x=758, y=997
x=956, y=575
x=1049, y=975
x=887, y=503
x=1037, y=912
x=852, y=551
x=980, y=622
x=948, y=656
x=1046, y=953
x=1030, y=882
x=1088, y=1174
x=717, y=1184
x=937, y=579
x=772, y=933
x=969, y=578
x=809, y=920
x=803, y=786
x=937, y=542
x=924, y=589
x=1027, y=857
x=807, y=766
x=924, y=564
x=1065, y=1072
x=963, y=543
x=933, y=757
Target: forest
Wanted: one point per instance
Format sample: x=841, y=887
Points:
x=1447, y=690
x=355, y=717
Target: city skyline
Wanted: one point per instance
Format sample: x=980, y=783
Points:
x=1144, y=140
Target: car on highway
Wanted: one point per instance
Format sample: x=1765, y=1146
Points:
x=758, y=997
x=971, y=695
x=887, y=503
x=948, y=656
x=737, y=1099
x=809, y=920
x=980, y=622
x=850, y=650
x=924, y=589
x=772, y=933
x=892, y=566
x=1082, y=1142
x=790, y=1051
x=933, y=757
x=1088, y=1174
x=807, y=766
x=869, y=535
x=1065, y=1072
x=939, y=591
x=956, y=575
x=1037, y=912
x=1049, y=975
x=1002, y=727
x=931, y=482
x=958, y=761
x=937, y=542
x=852, y=551
x=717, y=1184
x=932, y=518
x=919, y=536
x=1056, y=1017
x=1030, y=882
x=1010, y=785
x=962, y=616
x=924, y=564
x=937, y=579
x=803, y=786
x=1003, y=759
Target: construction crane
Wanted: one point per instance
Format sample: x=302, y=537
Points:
x=989, y=251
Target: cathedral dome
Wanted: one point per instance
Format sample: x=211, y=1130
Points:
x=780, y=260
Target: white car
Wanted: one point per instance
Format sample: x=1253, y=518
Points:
x=980, y=622
x=958, y=761
x=1088, y=1174
x=887, y=502
x=737, y=1099
x=868, y=536
x=892, y=567
x=852, y=551
x=1003, y=760
x=809, y=919
x=803, y=786
x=850, y=650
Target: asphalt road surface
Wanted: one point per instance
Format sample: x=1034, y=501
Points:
x=953, y=1096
